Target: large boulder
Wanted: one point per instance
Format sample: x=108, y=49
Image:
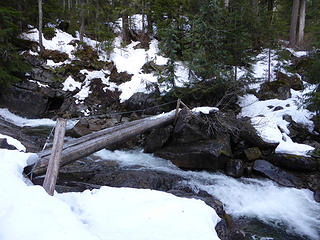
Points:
x=295, y=162
x=157, y=139
x=210, y=154
x=4, y=144
x=276, y=174
x=276, y=89
x=27, y=102
x=294, y=81
x=316, y=122
x=144, y=103
x=189, y=128
x=234, y=168
x=196, y=144
x=251, y=138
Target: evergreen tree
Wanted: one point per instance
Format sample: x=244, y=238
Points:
x=12, y=64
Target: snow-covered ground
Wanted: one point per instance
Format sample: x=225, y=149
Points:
x=28, y=212
x=127, y=59
x=270, y=123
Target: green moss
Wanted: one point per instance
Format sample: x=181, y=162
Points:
x=49, y=32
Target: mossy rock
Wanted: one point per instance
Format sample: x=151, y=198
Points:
x=253, y=153
x=279, y=89
x=55, y=55
x=293, y=81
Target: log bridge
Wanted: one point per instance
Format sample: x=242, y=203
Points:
x=91, y=143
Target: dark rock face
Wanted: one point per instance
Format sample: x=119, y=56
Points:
x=81, y=128
x=142, y=101
x=189, y=128
x=157, y=139
x=316, y=195
x=234, y=168
x=276, y=174
x=294, y=162
x=210, y=154
x=26, y=101
x=101, y=99
x=276, y=89
x=193, y=146
x=316, y=121
x=4, y=144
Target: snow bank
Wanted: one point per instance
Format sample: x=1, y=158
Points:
x=25, y=122
x=14, y=142
x=28, y=212
x=270, y=124
x=127, y=59
x=59, y=42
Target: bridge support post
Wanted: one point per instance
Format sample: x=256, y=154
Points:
x=54, y=162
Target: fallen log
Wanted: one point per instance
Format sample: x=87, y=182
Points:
x=104, y=138
x=91, y=136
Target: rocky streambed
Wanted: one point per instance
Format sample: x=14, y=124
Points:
x=201, y=149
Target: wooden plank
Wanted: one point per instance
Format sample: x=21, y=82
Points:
x=83, y=149
x=53, y=163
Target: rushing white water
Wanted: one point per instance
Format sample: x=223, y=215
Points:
x=261, y=199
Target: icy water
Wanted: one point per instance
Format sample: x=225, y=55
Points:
x=275, y=212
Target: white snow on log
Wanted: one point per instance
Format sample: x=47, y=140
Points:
x=205, y=110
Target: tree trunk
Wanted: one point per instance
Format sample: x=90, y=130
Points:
x=255, y=7
x=40, y=27
x=294, y=20
x=302, y=21
x=81, y=32
x=125, y=24
x=269, y=65
x=150, y=23
x=143, y=17
x=235, y=73
x=69, y=5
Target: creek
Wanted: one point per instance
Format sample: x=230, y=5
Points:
x=269, y=211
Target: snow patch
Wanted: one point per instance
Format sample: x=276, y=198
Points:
x=107, y=213
x=70, y=84
x=205, y=110
x=14, y=142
